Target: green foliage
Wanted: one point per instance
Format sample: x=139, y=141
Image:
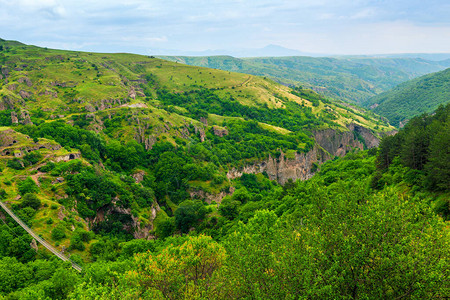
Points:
x=422, y=145
x=105, y=249
x=133, y=247
x=27, y=186
x=293, y=116
x=5, y=118
x=58, y=233
x=165, y=228
x=188, y=214
x=185, y=271
x=352, y=79
x=31, y=200
x=32, y=158
x=418, y=96
x=15, y=163
x=229, y=208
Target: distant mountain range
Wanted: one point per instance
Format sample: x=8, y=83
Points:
x=352, y=79
x=269, y=50
x=277, y=51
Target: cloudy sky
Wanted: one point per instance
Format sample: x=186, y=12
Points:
x=314, y=26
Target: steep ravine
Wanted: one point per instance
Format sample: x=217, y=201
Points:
x=329, y=143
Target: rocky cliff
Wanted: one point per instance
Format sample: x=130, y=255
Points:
x=329, y=143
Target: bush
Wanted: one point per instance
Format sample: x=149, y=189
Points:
x=76, y=243
x=28, y=186
x=32, y=158
x=58, y=233
x=165, y=228
x=31, y=200
x=49, y=221
x=229, y=208
x=188, y=214
x=15, y=164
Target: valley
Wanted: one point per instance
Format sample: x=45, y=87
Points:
x=164, y=180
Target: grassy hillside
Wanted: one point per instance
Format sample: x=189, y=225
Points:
x=96, y=146
x=161, y=181
x=414, y=97
x=353, y=79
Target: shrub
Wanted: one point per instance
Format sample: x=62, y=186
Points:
x=15, y=164
x=58, y=233
x=28, y=186
x=31, y=200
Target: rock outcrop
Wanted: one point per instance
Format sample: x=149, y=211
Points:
x=329, y=143
x=220, y=131
x=140, y=230
x=208, y=197
x=283, y=169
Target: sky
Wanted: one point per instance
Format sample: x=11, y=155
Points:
x=180, y=27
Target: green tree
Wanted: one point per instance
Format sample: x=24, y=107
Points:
x=179, y=272
x=27, y=186
x=229, y=208
x=188, y=214
x=31, y=200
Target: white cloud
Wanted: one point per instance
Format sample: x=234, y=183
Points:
x=333, y=26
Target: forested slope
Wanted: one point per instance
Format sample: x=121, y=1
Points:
x=332, y=236
x=414, y=97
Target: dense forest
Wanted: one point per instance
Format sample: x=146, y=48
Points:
x=369, y=225
x=423, y=94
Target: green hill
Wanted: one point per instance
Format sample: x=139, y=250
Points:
x=163, y=180
x=414, y=97
x=352, y=79
x=128, y=138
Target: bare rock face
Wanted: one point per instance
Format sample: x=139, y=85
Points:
x=220, y=131
x=14, y=118
x=402, y=123
x=204, y=121
x=369, y=138
x=149, y=142
x=54, y=94
x=329, y=142
x=201, y=132
x=7, y=103
x=24, y=94
x=67, y=157
x=139, y=176
x=210, y=198
x=140, y=230
x=132, y=93
x=25, y=80
x=12, y=87
x=25, y=117
x=34, y=245
x=89, y=108
x=283, y=169
x=7, y=138
x=5, y=72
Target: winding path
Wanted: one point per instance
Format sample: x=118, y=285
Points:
x=39, y=239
